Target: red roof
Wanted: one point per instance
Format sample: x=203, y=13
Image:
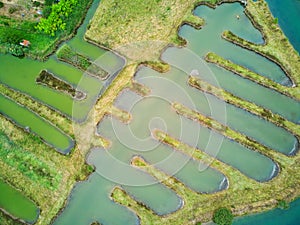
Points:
x=25, y=43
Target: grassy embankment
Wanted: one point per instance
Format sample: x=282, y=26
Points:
x=37, y=170
x=244, y=104
x=277, y=47
x=244, y=195
x=41, y=44
x=39, y=164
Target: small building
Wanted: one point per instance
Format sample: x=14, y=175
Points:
x=25, y=43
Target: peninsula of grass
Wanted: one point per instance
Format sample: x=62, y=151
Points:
x=50, y=80
x=243, y=195
x=277, y=48
x=246, y=73
x=82, y=62
x=55, y=117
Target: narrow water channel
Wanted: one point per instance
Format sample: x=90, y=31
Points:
x=25, y=210
x=33, y=123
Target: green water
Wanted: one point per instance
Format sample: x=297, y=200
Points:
x=224, y=18
x=90, y=200
x=25, y=209
x=162, y=157
x=20, y=74
x=250, y=163
x=25, y=118
x=238, y=119
x=276, y=102
x=210, y=34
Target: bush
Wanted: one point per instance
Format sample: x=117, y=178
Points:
x=56, y=21
x=46, y=11
x=49, y=2
x=10, y=36
x=12, y=9
x=223, y=216
x=283, y=204
x=15, y=50
x=36, y=4
x=1, y=4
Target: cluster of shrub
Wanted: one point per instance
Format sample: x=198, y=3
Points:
x=11, y=42
x=55, y=17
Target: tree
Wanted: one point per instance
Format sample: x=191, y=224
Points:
x=56, y=19
x=223, y=216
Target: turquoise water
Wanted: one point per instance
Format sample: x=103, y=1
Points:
x=209, y=141
x=289, y=216
x=224, y=18
x=238, y=119
x=210, y=34
x=288, y=12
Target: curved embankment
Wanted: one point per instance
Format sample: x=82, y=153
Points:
x=276, y=48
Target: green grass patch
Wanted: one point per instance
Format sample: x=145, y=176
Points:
x=48, y=79
x=27, y=163
x=82, y=62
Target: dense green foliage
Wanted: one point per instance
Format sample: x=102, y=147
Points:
x=27, y=163
x=1, y=4
x=57, y=18
x=283, y=204
x=41, y=43
x=223, y=216
x=36, y=4
x=15, y=49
